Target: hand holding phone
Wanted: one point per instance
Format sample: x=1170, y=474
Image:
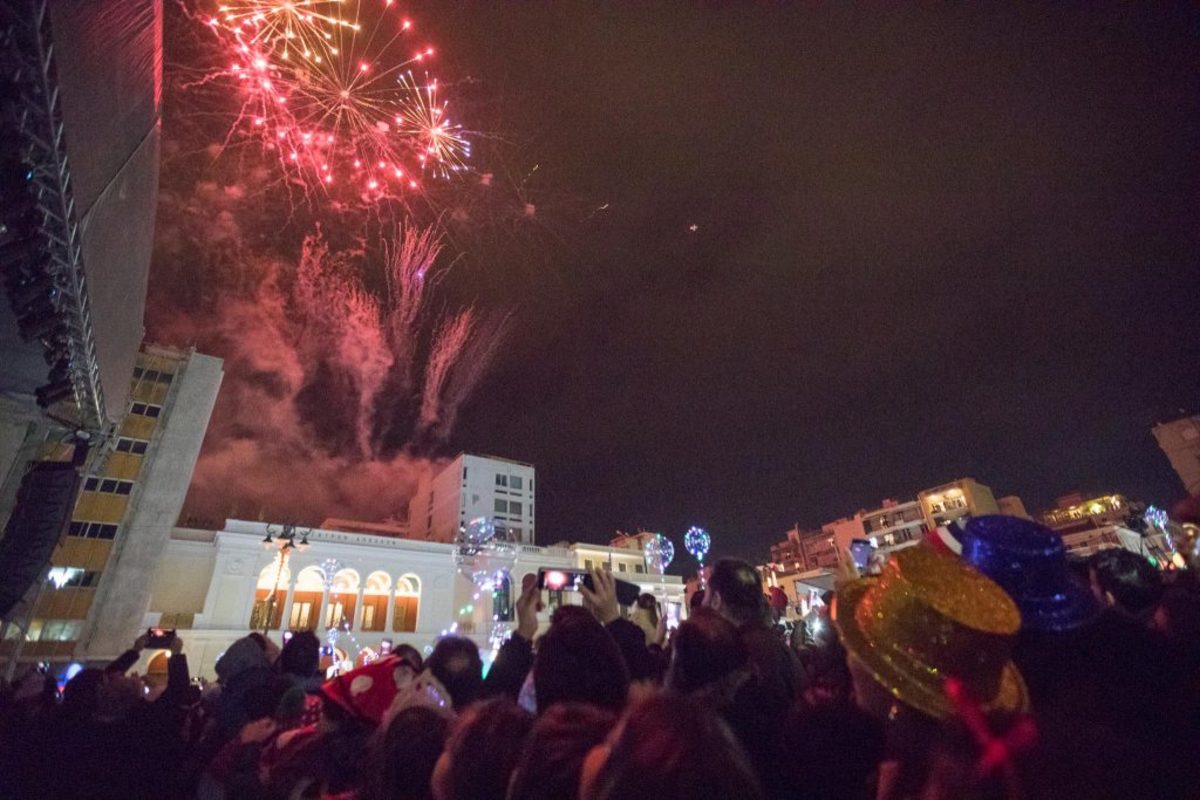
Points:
x=159, y=638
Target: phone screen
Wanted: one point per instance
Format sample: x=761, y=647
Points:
x=860, y=551
x=673, y=614
x=561, y=580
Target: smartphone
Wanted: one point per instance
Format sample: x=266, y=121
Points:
x=159, y=637
x=287, y=636
x=860, y=552
x=673, y=612
x=43, y=667
x=570, y=580
x=385, y=647
x=327, y=650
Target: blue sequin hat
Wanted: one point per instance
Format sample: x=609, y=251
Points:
x=1030, y=562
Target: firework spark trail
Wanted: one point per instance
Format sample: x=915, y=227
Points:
x=408, y=261
x=368, y=349
x=473, y=362
x=449, y=343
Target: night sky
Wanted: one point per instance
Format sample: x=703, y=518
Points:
x=929, y=243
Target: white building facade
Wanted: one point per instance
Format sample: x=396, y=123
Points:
x=473, y=486
x=214, y=587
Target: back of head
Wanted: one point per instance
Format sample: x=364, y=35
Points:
x=578, y=661
x=649, y=605
x=410, y=654
x=301, y=655
x=456, y=664
x=705, y=649
x=738, y=592
x=81, y=693
x=1132, y=583
x=1178, y=616
x=553, y=757
x=671, y=748
x=245, y=654
x=406, y=753
x=483, y=749
x=697, y=600
x=833, y=750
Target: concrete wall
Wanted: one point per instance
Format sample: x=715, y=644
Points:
x=124, y=594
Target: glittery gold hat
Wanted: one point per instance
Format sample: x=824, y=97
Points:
x=929, y=617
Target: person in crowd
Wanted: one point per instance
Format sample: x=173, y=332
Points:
x=834, y=751
x=114, y=735
x=669, y=748
x=776, y=675
x=644, y=614
x=411, y=655
x=708, y=657
x=601, y=600
x=1178, y=618
x=550, y=765
x=1125, y=581
x=327, y=758
x=926, y=618
x=483, y=749
x=299, y=665
x=404, y=755
x=580, y=657
x=456, y=664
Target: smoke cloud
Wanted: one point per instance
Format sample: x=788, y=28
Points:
x=342, y=373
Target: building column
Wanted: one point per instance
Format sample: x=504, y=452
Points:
x=356, y=622
x=391, y=611
x=323, y=611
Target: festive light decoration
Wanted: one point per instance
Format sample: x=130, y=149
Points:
x=659, y=553
x=697, y=542
x=328, y=87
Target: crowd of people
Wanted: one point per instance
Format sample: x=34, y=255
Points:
x=1004, y=671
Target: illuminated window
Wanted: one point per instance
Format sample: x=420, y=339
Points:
x=408, y=604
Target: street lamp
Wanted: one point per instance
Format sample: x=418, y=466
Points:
x=284, y=539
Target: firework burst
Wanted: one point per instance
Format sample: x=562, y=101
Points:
x=328, y=88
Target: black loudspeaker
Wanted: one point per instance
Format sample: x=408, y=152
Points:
x=38, y=523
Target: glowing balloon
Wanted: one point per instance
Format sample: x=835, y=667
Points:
x=659, y=553
x=697, y=541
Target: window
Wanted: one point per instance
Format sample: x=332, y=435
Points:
x=301, y=616
x=502, y=480
x=93, y=530
x=62, y=577
x=145, y=410
x=135, y=446
x=408, y=603
x=59, y=630
x=107, y=485
x=501, y=506
x=621, y=567
x=587, y=563
x=514, y=508
x=514, y=481
x=464, y=473
x=639, y=568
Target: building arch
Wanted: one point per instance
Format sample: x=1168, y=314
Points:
x=343, y=597
x=407, y=603
x=377, y=593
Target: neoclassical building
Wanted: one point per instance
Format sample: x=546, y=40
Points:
x=216, y=586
